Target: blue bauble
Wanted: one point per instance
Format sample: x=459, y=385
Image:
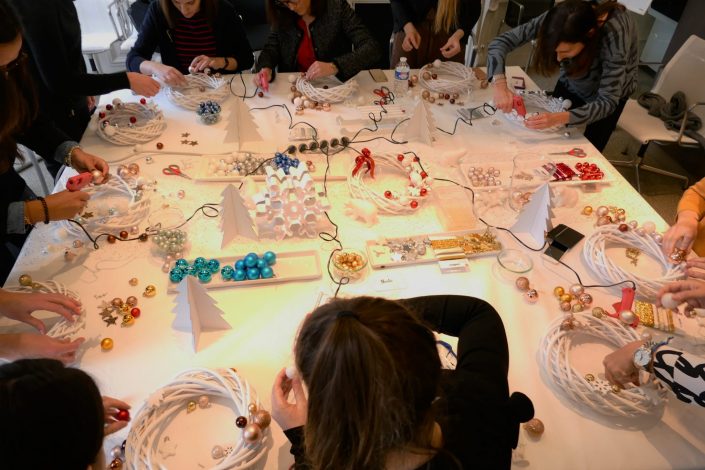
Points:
x=176, y=275
x=261, y=264
x=270, y=257
x=240, y=264
x=204, y=275
x=227, y=272
x=251, y=260
x=252, y=274
x=199, y=262
x=181, y=263
x=267, y=272
x=213, y=265
x=239, y=275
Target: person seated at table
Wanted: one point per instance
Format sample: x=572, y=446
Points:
x=595, y=48
x=19, y=209
x=19, y=306
x=52, y=40
x=192, y=36
x=53, y=416
x=432, y=29
x=680, y=371
x=689, y=230
x=318, y=37
x=377, y=397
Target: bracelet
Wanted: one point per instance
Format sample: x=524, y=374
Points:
x=46, y=209
x=227, y=63
x=69, y=154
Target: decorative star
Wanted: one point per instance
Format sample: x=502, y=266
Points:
x=110, y=320
x=193, y=143
x=185, y=142
x=87, y=215
x=185, y=134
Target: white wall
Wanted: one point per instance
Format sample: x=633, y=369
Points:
x=93, y=15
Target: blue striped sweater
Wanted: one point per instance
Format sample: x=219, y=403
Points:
x=612, y=75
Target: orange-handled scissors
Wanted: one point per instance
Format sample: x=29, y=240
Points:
x=174, y=170
x=575, y=152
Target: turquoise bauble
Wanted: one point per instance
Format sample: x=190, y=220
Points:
x=267, y=272
x=252, y=274
x=204, y=275
x=270, y=257
x=227, y=272
x=261, y=264
x=240, y=264
x=213, y=265
x=251, y=260
x=181, y=263
x=239, y=275
x=199, y=262
x=176, y=275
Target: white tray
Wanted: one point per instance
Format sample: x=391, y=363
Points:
x=290, y=266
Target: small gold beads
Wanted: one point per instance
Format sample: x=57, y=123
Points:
x=117, y=302
x=348, y=261
x=106, y=344
x=252, y=407
x=566, y=298
x=26, y=280
x=558, y=291
x=191, y=406
x=534, y=427
x=587, y=210
x=150, y=291
x=598, y=312
x=616, y=389
x=589, y=377
x=128, y=320
x=133, y=282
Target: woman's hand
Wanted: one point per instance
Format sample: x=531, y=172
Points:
x=111, y=407
x=203, y=62
x=262, y=79
x=63, y=205
x=681, y=234
x=321, y=69
x=412, y=38
x=619, y=365
x=169, y=75
x=288, y=415
x=33, y=346
x=452, y=47
x=547, y=120
x=84, y=161
x=503, y=97
x=695, y=268
x=142, y=84
x=691, y=291
x=19, y=306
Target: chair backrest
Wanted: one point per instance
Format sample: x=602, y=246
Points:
x=684, y=72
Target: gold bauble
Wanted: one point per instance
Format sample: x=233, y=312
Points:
x=106, y=344
x=26, y=280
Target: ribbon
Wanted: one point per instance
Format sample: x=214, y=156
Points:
x=626, y=303
x=361, y=160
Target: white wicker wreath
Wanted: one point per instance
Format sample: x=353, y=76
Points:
x=540, y=100
x=417, y=190
x=114, y=122
x=333, y=94
x=199, y=88
x=648, y=284
x=138, y=204
x=596, y=394
x=153, y=419
x=63, y=328
x=452, y=77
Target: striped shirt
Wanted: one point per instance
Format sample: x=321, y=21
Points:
x=613, y=73
x=193, y=37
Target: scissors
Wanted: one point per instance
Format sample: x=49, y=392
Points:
x=576, y=152
x=174, y=170
x=385, y=94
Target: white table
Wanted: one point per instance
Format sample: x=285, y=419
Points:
x=265, y=318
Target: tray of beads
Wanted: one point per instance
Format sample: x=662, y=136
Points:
x=483, y=176
x=248, y=270
x=421, y=249
x=234, y=167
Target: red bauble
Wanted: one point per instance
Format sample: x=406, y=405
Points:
x=423, y=191
x=388, y=194
x=623, y=227
x=124, y=234
x=109, y=107
x=260, y=94
x=366, y=152
x=424, y=174
x=135, y=312
x=160, y=145
x=143, y=101
x=241, y=422
x=417, y=159
x=122, y=415
x=400, y=157
x=133, y=119
x=111, y=239
x=101, y=115
x=414, y=204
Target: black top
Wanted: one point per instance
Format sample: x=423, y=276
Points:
x=52, y=38
x=479, y=420
x=230, y=39
x=334, y=33
x=414, y=11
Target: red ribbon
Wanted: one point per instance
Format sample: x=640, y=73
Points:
x=364, y=160
x=625, y=304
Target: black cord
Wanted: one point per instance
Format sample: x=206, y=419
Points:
x=244, y=95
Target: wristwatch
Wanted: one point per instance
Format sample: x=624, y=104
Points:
x=645, y=354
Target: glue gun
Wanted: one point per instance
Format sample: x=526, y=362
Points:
x=518, y=105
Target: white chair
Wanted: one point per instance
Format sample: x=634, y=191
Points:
x=683, y=72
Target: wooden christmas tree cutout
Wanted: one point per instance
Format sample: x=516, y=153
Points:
x=196, y=311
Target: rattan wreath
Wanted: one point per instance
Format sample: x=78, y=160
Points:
x=114, y=123
x=555, y=359
x=152, y=422
x=460, y=78
x=62, y=329
x=648, y=284
x=138, y=204
x=199, y=88
x=540, y=100
x=334, y=94
x=392, y=203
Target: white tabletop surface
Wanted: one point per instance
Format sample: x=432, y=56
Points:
x=264, y=319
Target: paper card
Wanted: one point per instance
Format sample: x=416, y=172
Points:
x=385, y=282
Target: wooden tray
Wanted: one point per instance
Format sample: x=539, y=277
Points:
x=339, y=167
x=290, y=266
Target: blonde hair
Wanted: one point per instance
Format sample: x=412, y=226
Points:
x=446, y=16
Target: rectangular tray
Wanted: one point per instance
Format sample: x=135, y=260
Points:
x=290, y=266
x=378, y=255
x=339, y=167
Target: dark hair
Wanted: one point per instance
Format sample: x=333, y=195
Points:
x=51, y=416
x=280, y=16
x=372, y=371
x=17, y=93
x=573, y=21
x=209, y=8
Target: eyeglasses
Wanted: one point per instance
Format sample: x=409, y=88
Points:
x=6, y=69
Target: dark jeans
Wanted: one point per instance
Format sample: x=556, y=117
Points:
x=599, y=132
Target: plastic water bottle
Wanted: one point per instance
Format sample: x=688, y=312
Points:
x=401, y=78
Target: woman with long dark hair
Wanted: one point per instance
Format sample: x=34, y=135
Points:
x=426, y=30
x=378, y=399
x=318, y=37
x=192, y=36
x=595, y=48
